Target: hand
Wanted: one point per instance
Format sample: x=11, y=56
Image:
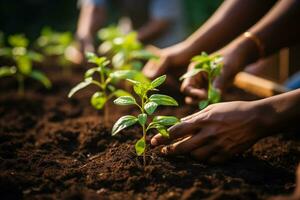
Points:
x=235, y=57
x=75, y=53
x=218, y=132
x=174, y=56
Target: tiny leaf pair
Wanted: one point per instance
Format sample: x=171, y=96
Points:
x=212, y=66
x=23, y=58
x=147, y=106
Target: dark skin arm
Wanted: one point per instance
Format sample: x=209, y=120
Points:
x=152, y=29
x=231, y=19
x=276, y=30
x=223, y=130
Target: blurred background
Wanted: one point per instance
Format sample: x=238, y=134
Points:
x=30, y=16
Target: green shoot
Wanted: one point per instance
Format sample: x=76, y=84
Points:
x=54, y=44
x=107, y=79
x=211, y=65
x=147, y=106
x=23, y=58
x=127, y=52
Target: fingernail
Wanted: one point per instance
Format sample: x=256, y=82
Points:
x=154, y=142
x=164, y=150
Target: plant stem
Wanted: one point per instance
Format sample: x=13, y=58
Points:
x=209, y=86
x=144, y=153
x=20, y=79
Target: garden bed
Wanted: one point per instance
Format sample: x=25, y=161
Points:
x=52, y=147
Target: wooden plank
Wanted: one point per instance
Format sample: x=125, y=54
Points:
x=258, y=86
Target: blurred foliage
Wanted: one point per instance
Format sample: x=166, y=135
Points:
x=52, y=42
x=23, y=59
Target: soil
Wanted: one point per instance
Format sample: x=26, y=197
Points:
x=52, y=147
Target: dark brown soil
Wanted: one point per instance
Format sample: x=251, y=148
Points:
x=52, y=147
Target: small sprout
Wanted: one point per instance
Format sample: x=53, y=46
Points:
x=23, y=58
x=147, y=106
x=212, y=66
x=106, y=81
x=126, y=52
x=53, y=43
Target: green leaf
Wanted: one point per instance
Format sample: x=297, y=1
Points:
x=121, y=93
x=142, y=119
x=158, y=81
x=18, y=40
x=5, y=51
x=80, y=86
x=123, y=74
x=136, y=65
x=125, y=100
x=35, y=56
x=90, y=72
x=164, y=100
x=191, y=73
x=165, y=120
x=118, y=60
x=140, y=146
x=7, y=71
x=203, y=104
x=143, y=55
x=162, y=130
x=41, y=77
x=98, y=100
x=214, y=95
x=93, y=58
x=150, y=107
x=123, y=122
x=24, y=65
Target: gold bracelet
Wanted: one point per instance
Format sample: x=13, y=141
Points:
x=257, y=41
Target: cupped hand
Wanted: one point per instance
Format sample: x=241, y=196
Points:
x=168, y=58
x=216, y=133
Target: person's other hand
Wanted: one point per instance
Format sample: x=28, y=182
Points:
x=235, y=57
x=75, y=53
x=218, y=132
x=168, y=58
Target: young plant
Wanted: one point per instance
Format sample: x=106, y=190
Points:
x=211, y=65
x=23, y=58
x=147, y=105
x=126, y=51
x=54, y=44
x=107, y=79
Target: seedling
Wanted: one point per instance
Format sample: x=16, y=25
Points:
x=54, y=44
x=126, y=51
x=23, y=59
x=107, y=79
x=211, y=65
x=147, y=105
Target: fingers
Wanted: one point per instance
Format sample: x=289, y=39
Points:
x=156, y=68
x=177, y=131
x=195, y=92
x=189, y=144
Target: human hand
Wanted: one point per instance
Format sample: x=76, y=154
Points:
x=218, y=132
x=75, y=53
x=235, y=56
x=168, y=58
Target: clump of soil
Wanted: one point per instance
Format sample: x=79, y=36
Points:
x=52, y=147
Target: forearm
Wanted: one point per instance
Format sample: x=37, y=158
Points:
x=91, y=18
x=152, y=29
x=281, y=112
x=230, y=20
x=280, y=27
